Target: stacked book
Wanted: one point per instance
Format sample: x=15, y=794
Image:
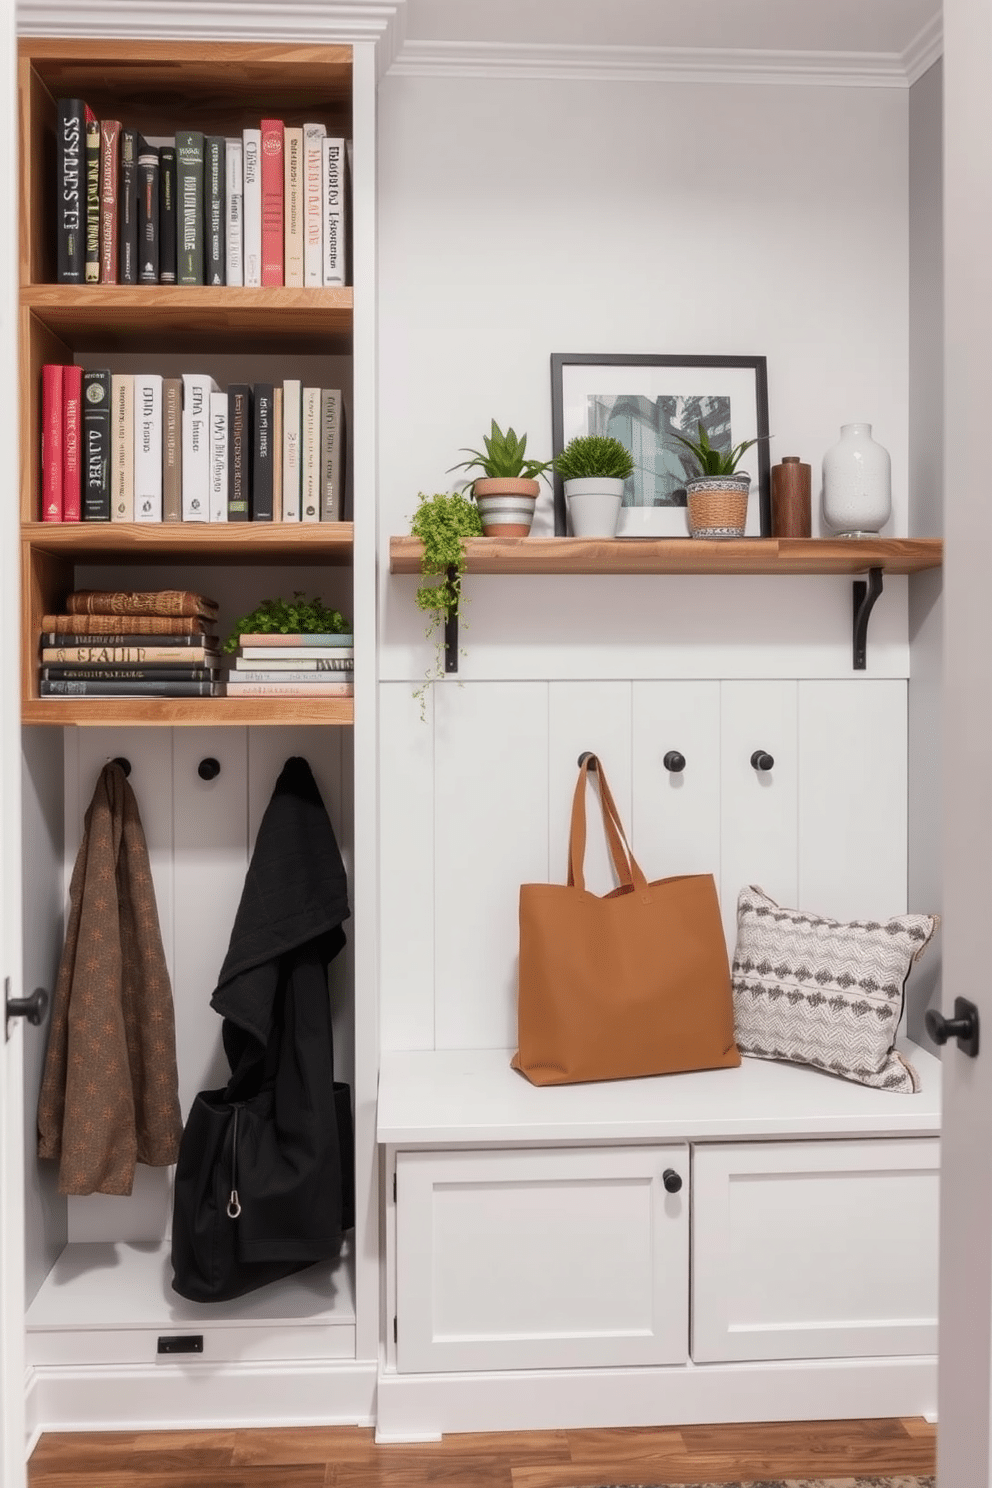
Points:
x=274, y=665
x=141, y=447
x=266, y=206
x=159, y=643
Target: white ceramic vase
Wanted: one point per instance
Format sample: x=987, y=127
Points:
x=594, y=506
x=857, y=483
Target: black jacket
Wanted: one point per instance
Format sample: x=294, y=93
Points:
x=264, y=1182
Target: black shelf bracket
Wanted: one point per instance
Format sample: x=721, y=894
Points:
x=865, y=596
x=451, y=627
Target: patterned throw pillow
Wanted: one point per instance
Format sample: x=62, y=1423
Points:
x=817, y=991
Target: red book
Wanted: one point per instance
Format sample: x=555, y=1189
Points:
x=72, y=428
x=272, y=202
x=51, y=442
x=110, y=149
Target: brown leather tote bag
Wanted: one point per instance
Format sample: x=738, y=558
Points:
x=635, y=982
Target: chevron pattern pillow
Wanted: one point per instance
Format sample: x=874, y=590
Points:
x=821, y=992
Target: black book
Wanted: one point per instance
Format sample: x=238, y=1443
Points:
x=92, y=253
x=149, y=639
x=74, y=688
x=96, y=446
x=147, y=212
x=69, y=180
x=263, y=454
x=239, y=448
x=129, y=674
x=189, y=205
x=215, y=209
x=167, y=243
x=127, y=209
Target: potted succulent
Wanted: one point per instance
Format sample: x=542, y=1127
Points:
x=441, y=522
x=717, y=497
x=593, y=468
x=507, y=490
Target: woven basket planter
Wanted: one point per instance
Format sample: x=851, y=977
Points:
x=718, y=505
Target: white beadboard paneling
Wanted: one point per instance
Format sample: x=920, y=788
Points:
x=406, y=862
x=759, y=808
x=852, y=798
x=581, y=716
x=490, y=836
x=676, y=817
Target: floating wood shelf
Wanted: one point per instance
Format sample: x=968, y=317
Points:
x=758, y=555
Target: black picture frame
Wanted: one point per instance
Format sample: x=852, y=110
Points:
x=574, y=381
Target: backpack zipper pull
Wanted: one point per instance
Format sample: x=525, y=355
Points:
x=233, y=1203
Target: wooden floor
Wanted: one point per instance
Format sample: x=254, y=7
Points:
x=347, y=1457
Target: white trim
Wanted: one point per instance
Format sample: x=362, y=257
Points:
x=924, y=50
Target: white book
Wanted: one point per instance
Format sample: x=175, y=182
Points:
x=310, y=457
x=252, y=205
x=234, y=192
x=197, y=387
x=333, y=209
x=148, y=447
x=218, y=457
x=293, y=206
x=122, y=447
x=313, y=220
x=292, y=413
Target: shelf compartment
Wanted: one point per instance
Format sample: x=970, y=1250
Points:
x=139, y=712
x=772, y=555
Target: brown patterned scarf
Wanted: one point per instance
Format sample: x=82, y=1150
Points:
x=109, y=1094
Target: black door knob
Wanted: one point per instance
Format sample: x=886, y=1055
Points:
x=674, y=761
x=33, y=1008
x=963, y=1026
x=761, y=760
x=208, y=769
x=671, y=1180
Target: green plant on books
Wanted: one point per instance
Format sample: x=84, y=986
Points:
x=441, y=522
x=714, y=461
x=296, y=616
x=505, y=457
x=590, y=455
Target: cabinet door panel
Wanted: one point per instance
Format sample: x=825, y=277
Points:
x=759, y=807
x=581, y=716
x=814, y=1250
x=541, y=1259
x=853, y=798
x=676, y=814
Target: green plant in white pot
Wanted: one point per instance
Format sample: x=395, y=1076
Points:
x=718, y=496
x=508, y=488
x=593, y=468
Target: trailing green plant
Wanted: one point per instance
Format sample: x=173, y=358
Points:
x=589, y=455
x=296, y=616
x=441, y=522
x=713, y=461
x=505, y=457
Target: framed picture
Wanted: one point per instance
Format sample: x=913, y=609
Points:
x=645, y=401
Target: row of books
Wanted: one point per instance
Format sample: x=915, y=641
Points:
x=140, y=447
x=292, y=666
x=264, y=207
x=159, y=643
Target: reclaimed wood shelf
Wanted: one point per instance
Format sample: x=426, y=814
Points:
x=132, y=712
x=191, y=542
x=682, y=555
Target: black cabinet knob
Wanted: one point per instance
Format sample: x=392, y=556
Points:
x=674, y=761
x=963, y=1026
x=208, y=769
x=761, y=760
x=33, y=1008
x=671, y=1180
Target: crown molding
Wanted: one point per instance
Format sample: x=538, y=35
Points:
x=650, y=64
x=924, y=50
x=328, y=22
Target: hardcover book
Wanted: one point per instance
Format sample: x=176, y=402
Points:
x=310, y=456
x=239, y=434
x=52, y=374
x=334, y=210
x=277, y=454
x=172, y=449
x=272, y=172
x=252, y=205
x=262, y=455
x=169, y=673
x=279, y=639
x=92, y=255
x=295, y=653
x=168, y=250
x=189, y=205
x=234, y=267
x=276, y=668
x=129, y=689
x=122, y=449
x=293, y=206
x=72, y=443
x=292, y=412
x=127, y=208
x=92, y=629
x=110, y=654
x=148, y=212
x=313, y=216
x=215, y=208
x=148, y=447
x=219, y=456
x=110, y=137
x=163, y=602
x=96, y=445
x=332, y=463
x=70, y=183
x=197, y=388
x=237, y=688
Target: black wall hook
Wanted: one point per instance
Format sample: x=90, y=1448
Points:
x=125, y=764
x=587, y=754
x=208, y=769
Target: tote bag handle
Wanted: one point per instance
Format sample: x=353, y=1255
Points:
x=627, y=869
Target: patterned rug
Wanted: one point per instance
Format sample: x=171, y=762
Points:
x=898, y=1482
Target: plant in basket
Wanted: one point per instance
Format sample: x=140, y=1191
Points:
x=508, y=488
x=718, y=496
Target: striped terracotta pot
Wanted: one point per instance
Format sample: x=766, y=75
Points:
x=506, y=505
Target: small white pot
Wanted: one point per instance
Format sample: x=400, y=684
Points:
x=594, y=506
